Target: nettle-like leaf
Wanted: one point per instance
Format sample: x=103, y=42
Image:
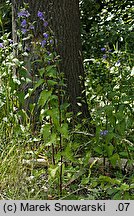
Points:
x=68, y=154
x=46, y=132
x=110, y=150
x=64, y=130
x=114, y=159
x=38, y=84
x=51, y=71
x=53, y=171
x=44, y=97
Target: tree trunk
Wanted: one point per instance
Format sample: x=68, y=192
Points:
x=64, y=19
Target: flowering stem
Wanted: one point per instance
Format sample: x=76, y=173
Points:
x=61, y=158
x=51, y=123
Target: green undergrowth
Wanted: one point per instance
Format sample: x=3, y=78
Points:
x=35, y=124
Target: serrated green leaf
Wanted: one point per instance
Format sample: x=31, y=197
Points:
x=98, y=150
x=44, y=96
x=40, y=82
x=114, y=159
x=124, y=187
x=51, y=71
x=51, y=82
x=110, y=150
x=53, y=171
x=46, y=131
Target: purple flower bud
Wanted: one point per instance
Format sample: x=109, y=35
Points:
x=45, y=24
x=104, y=133
x=117, y=63
x=10, y=41
x=103, y=49
x=43, y=43
x=48, y=53
x=1, y=45
x=51, y=41
x=23, y=30
x=45, y=35
x=24, y=23
x=28, y=49
x=31, y=27
x=104, y=56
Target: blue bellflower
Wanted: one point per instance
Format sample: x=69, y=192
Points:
x=23, y=30
x=45, y=24
x=104, y=133
x=43, y=43
x=24, y=23
x=40, y=15
x=23, y=13
x=103, y=49
x=45, y=35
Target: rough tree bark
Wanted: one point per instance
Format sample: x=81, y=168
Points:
x=64, y=19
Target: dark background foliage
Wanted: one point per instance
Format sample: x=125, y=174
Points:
x=67, y=147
